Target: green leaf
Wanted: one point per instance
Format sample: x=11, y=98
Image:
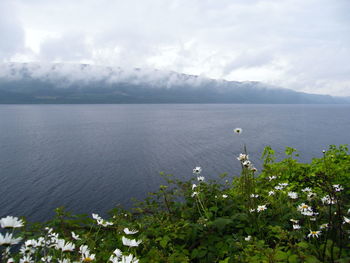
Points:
x=293, y=259
x=164, y=241
x=280, y=255
x=303, y=245
x=311, y=259
x=220, y=223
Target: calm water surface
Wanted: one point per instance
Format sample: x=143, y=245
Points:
x=91, y=157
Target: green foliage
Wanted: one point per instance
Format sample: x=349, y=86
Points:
x=247, y=219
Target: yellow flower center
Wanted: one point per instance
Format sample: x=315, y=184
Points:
x=88, y=259
x=305, y=207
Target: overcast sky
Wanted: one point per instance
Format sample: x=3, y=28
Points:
x=299, y=44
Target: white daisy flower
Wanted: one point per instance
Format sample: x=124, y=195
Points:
x=11, y=222
x=306, y=189
x=224, y=196
x=104, y=223
x=273, y=177
x=83, y=249
x=24, y=250
x=9, y=240
x=346, y=220
x=130, y=242
x=306, y=210
x=271, y=193
x=87, y=257
x=197, y=170
x=323, y=226
x=242, y=157
x=117, y=252
x=26, y=259
x=248, y=238
x=96, y=217
x=278, y=187
x=194, y=186
x=296, y=227
x=65, y=246
x=31, y=243
x=130, y=232
x=304, y=207
x=254, y=196
x=200, y=178
x=76, y=237
x=10, y=260
x=194, y=194
x=114, y=259
x=247, y=163
x=314, y=233
x=251, y=210
x=294, y=221
x=238, y=130
x=293, y=195
x=261, y=208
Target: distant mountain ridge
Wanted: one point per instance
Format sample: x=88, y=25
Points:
x=81, y=83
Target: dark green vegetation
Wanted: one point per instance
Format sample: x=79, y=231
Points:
x=288, y=212
x=59, y=83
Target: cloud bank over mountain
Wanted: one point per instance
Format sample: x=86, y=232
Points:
x=82, y=83
x=300, y=45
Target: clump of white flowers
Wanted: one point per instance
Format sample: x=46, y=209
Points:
x=244, y=159
x=100, y=221
x=306, y=210
x=197, y=171
x=328, y=200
